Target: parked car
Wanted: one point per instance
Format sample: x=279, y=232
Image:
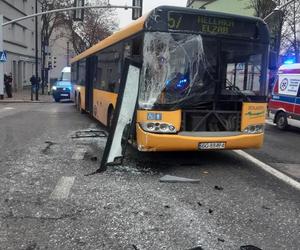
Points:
x=63, y=87
x=284, y=105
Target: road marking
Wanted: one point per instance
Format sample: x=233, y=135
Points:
x=62, y=188
x=269, y=169
x=9, y=108
x=79, y=154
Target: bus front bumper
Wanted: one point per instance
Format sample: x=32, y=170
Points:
x=189, y=141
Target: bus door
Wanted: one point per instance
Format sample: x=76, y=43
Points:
x=91, y=65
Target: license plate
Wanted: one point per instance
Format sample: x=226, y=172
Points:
x=64, y=95
x=211, y=145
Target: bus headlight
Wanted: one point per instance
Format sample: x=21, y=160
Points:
x=254, y=129
x=54, y=88
x=158, y=127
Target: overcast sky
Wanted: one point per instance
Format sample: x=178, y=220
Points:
x=125, y=15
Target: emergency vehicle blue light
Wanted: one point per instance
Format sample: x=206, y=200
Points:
x=182, y=84
x=289, y=61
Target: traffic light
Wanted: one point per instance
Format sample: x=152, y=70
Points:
x=136, y=13
x=54, y=62
x=78, y=14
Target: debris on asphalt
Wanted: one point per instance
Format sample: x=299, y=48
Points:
x=167, y=206
x=196, y=248
x=210, y=211
x=218, y=188
x=205, y=172
x=94, y=158
x=249, y=247
x=265, y=207
x=49, y=144
x=221, y=240
x=173, y=179
x=89, y=133
x=199, y=204
x=135, y=247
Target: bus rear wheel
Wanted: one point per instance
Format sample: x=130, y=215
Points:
x=79, y=105
x=281, y=121
x=110, y=115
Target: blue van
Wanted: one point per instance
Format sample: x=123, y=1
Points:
x=63, y=87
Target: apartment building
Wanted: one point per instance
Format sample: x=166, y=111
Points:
x=19, y=40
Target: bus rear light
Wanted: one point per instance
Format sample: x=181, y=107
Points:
x=254, y=129
x=158, y=127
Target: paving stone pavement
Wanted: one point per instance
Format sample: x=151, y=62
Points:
x=24, y=95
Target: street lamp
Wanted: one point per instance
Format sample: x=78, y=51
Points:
x=36, y=53
x=278, y=8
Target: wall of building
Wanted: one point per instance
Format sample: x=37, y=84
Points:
x=19, y=40
x=62, y=49
x=240, y=7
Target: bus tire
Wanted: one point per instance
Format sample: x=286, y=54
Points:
x=110, y=115
x=75, y=99
x=79, y=108
x=281, y=121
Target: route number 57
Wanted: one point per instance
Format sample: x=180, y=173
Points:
x=174, y=23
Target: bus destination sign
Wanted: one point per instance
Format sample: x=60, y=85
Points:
x=210, y=25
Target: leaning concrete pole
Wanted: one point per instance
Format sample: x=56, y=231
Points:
x=1, y=63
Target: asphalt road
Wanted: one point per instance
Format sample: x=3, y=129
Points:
x=281, y=150
x=48, y=202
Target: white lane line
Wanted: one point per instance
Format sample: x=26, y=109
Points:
x=79, y=154
x=269, y=169
x=62, y=188
x=9, y=108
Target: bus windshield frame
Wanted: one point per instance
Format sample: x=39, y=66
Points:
x=175, y=74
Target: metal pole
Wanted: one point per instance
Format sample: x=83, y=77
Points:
x=1, y=63
x=36, y=54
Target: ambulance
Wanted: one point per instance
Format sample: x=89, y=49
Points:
x=284, y=105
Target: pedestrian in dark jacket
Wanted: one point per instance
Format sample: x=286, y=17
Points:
x=8, y=85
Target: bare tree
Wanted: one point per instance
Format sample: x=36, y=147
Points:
x=291, y=30
x=49, y=23
x=262, y=7
x=97, y=25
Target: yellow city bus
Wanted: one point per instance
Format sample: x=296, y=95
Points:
x=203, y=80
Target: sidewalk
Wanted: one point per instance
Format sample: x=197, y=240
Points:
x=24, y=95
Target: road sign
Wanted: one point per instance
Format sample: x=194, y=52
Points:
x=3, y=56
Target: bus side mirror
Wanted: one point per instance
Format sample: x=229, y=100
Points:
x=272, y=60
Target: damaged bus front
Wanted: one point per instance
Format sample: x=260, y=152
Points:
x=203, y=82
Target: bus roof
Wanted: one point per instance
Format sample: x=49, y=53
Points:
x=150, y=22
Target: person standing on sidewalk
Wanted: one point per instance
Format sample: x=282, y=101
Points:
x=8, y=83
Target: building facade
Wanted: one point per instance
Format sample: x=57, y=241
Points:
x=19, y=40
x=61, y=49
x=240, y=7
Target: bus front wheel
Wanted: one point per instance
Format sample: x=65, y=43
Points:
x=281, y=121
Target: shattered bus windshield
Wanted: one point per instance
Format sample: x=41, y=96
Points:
x=189, y=69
